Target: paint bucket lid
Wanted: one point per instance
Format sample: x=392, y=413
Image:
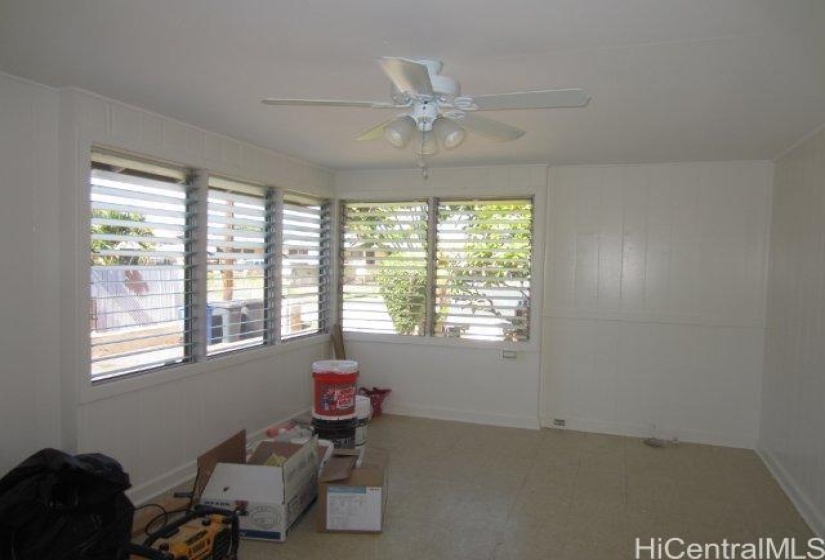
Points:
x=344, y=367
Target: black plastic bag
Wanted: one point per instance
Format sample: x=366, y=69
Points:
x=56, y=506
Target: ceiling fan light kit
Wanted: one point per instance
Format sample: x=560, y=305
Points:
x=434, y=110
x=400, y=130
x=450, y=133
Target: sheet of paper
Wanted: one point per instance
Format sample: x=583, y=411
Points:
x=354, y=508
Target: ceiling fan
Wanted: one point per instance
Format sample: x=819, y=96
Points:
x=433, y=107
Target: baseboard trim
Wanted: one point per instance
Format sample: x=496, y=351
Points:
x=809, y=512
x=185, y=473
x=637, y=430
x=439, y=413
x=163, y=484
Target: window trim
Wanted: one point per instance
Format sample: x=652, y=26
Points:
x=326, y=309
x=179, y=372
x=198, y=361
x=537, y=248
x=174, y=179
x=269, y=277
x=422, y=201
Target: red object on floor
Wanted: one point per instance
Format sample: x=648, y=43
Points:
x=334, y=389
x=376, y=397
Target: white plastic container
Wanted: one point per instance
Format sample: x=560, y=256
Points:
x=363, y=412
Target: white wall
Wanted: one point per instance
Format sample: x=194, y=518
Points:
x=651, y=294
x=654, y=294
x=155, y=424
x=792, y=440
x=440, y=378
x=29, y=284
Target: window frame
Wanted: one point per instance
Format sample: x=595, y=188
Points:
x=433, y=199
x=196, y=334
x=427, y=244
x=326, y=270
x=508, y=242
x=234, y=192
x=143, y=185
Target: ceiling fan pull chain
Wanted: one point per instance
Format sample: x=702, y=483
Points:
x=422, y=165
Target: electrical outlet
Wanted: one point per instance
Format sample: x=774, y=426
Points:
x=560, y=422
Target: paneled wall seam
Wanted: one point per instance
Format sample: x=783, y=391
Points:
x=791, y=439
x=653, y=303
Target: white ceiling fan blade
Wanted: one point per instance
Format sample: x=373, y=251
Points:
x=330, y=103
x=407, y=75
x=493, y=130
x=375, y=132
x=539, y=99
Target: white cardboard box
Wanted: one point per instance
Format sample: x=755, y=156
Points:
x=270, y=498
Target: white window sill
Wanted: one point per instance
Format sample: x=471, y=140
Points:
x=442, y=342
x=173, y=374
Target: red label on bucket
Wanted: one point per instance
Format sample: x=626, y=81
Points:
x=334, y=395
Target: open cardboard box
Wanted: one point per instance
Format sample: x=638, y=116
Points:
x=353, y=499
x=269, y=498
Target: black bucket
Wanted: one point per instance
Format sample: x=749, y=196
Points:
x=340, y=432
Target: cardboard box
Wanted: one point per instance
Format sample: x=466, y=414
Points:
x=270, y=498
x=353, y=499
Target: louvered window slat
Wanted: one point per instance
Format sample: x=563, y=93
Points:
x=238, y=251
x=305, y=234
x=384, y=267
x=190, y=270
x=483, y=271
x=138, y=285
x=474, y=284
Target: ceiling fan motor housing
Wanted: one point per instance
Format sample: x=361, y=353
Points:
x=445, y=88
x=425, y=113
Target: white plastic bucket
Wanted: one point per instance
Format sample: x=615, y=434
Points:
x=363, y=412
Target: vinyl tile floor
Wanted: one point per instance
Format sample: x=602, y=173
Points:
x=467, y=491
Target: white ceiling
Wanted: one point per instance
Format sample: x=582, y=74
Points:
x=670, y=80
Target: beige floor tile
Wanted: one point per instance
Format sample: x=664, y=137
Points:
x=646, y=526
x=602, y=461
x=603, y=442
x=539, y=514
x=465, y=491
x=734, y=528
x=596, y=551
x=561, y=434
x=556, y=483
x=606, y=488
x=651, y=492
x=531, y=541
x=644, y=460
x=555, y=463
x=778, y=523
